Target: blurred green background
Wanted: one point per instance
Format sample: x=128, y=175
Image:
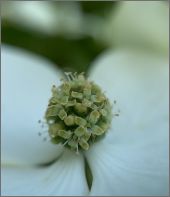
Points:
x=72, y=34
x=71, y=48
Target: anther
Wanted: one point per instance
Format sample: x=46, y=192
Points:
x=69, y=76
x=80, y=131
x=76, y=95
x=80, y=108
x=62, y=114
x=69, y=120
x=97, y=130
x=64, y=134
x=94, y=116
x=80, y=121
x=84, y=144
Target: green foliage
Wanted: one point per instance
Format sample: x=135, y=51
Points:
x=69, y=54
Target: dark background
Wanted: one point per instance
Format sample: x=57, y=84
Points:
x=72, y=53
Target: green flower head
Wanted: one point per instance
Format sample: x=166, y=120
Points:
x=78, y=113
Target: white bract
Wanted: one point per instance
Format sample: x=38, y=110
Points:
x=139, y=23
x=47, y=18
x=131, y=160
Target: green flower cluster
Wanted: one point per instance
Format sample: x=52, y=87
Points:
x=78, y=113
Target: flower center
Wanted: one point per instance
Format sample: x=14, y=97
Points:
x=78, y=113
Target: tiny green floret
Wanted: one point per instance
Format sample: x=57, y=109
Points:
x=78, y=113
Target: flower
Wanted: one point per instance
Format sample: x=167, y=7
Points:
x=131, y=160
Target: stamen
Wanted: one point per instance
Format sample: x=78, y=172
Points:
x=80, y=108
x=103, y=112
x=97, y=130
x=80, y=131
x=84, y=144
x=69, y=120
x=94, y=116
x=62, y=114
x=87, y=103
x=87, y=90
x=64, y=134
x=76, y=95
x=71, y=103
x=80, y=121
x=69, y=76
x=64, y=100
x=65, y=142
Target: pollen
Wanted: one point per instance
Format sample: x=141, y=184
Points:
x=78, y=113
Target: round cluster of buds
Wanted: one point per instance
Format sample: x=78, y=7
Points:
x=78, y=113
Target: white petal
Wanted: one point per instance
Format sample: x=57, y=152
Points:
x=135, y=168
x=133, y=159
x=65, y=177
x=141, y=24
x=42, y=20
x=26, y=88
x=138, y=82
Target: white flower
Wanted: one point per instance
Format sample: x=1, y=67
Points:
x=131, y=160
